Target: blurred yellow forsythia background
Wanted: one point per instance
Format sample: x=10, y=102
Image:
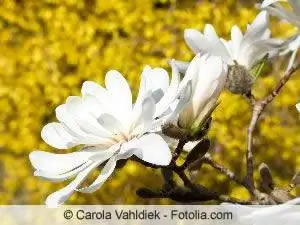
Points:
x=49, y=47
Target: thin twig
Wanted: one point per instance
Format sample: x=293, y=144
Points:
x=230, y=174
x=226, y=198
x=178, y=149
x=258, y=108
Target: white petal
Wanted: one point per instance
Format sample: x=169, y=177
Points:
x=175, y=108
x=106, y=171
x=104, y=175
x=193, y=39
x=52, y=163
x=266, y=3
x=257, y=31
x=171, y=93
x=94, y=89
x=84, y=118
x=258, y=26
x=118, y=87
x=292, y=59
x=67, y=119
x=55, y=134
x=211, y=74
x=153, y=149
x=143, y=91
x=155, y=79
x=111, y=123
x=91, y=103
x=208, y=76
x=70, y=123
x=61, y=177
x=148, y=110
x=236, y=38
x=283, y=13
x=207, y=43
x=218, y=49
x=104, y=98
x=181, y=65
x=59, y=197
x=58, y=163
x=146, y=117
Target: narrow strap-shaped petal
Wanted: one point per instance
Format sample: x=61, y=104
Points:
x=55, y=134
x=58, y=163
x=145, y=119
x=171, y=93
x=266, y=3
x=59, y=197
x=104, y=175
x=181, y=65
x=74, y=126
x=106, y=171
x=84, y=119
x=236, y=39
x=218, y=48
x=64, y=176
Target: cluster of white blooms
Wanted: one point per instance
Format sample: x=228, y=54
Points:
x=293, y=16
x=109, y=127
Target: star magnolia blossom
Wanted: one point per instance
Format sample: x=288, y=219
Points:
x=287, y=213
x=207, y=75
x=109, y=127
x=245, y=49
x=292, y=16
x=276, y=9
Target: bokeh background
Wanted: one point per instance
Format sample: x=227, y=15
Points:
x=48, y=48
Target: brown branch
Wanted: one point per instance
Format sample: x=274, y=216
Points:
x=226, y=198
x=198, y=194
x=178, y=149
x=258, y=108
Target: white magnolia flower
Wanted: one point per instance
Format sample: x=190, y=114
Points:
x=109, y=127
x=274, y=8
x=292, y=16
x=287, y=213
x=246, y=50
x=207, y=75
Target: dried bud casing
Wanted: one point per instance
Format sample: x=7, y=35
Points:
x=198, y=151
x=239, y=80
x=281, y=195
x=175, y=132
x=266, y=177
x=146, y=193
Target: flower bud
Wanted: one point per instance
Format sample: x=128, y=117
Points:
x=207, y=75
